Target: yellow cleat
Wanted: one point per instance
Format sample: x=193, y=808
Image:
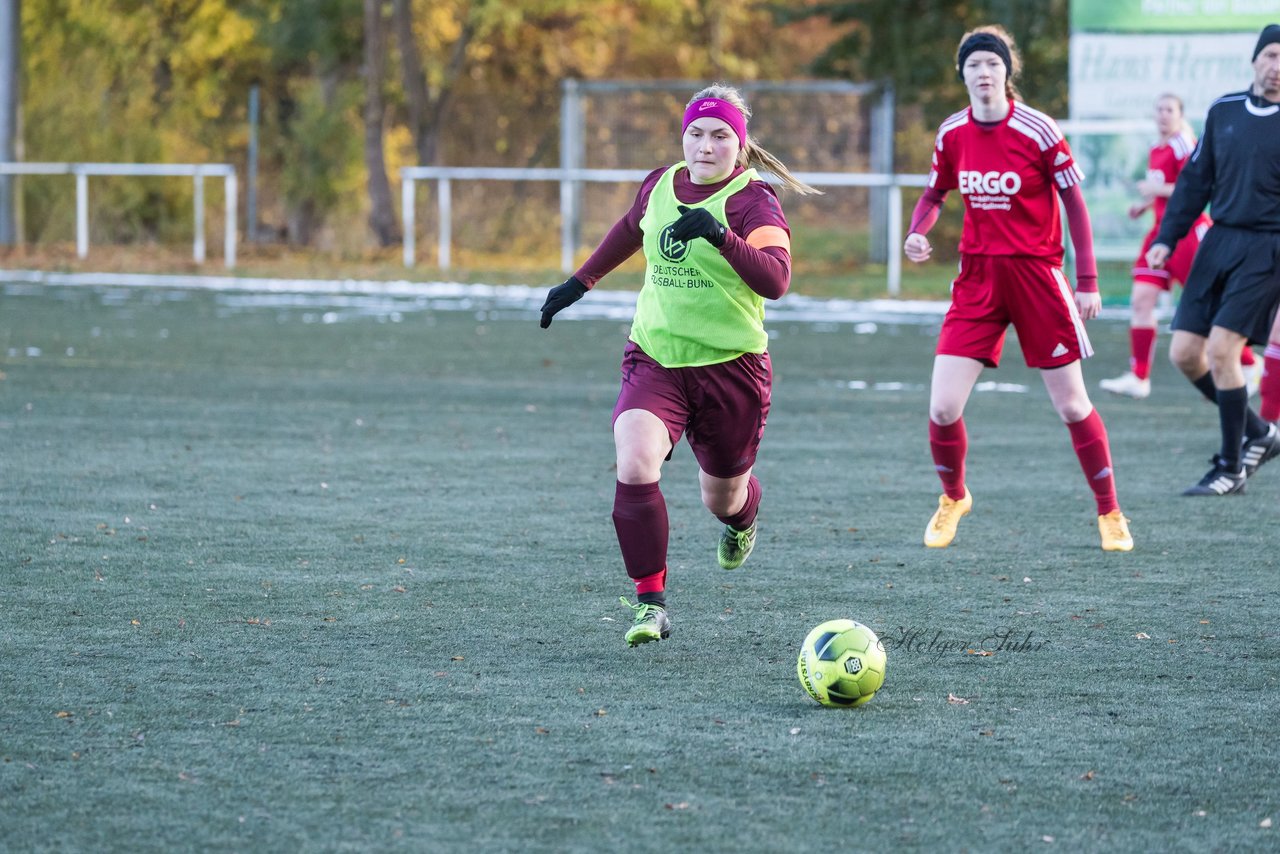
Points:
x=1114, y=528
x=942, y=527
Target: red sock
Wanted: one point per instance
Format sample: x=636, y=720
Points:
x=1269, y=409
x=1247, y=358
x=1089, y=438
x=640, y=518
x=742, y=520
x=949, y=444
x=1142, y=346
x=651, y=584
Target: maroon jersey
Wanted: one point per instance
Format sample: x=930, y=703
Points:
x=766, y=271
x=1009, y=173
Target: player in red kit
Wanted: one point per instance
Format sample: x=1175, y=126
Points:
x=1269, y=405
x=1165, y=161
x=1011, y=164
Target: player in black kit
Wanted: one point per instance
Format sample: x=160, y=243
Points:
x=1233, y=289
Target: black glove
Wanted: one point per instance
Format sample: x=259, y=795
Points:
x=698, y=222
x=561, y=297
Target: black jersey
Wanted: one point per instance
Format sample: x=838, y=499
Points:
x=1235, y=169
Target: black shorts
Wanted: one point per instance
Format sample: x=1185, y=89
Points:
x=1234, y=283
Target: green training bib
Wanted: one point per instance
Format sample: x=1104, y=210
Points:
x=693, y=309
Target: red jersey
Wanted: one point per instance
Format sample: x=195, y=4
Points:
x=1165, y=162
x=1007, y=172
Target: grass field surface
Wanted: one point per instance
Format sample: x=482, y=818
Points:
x=314, y=573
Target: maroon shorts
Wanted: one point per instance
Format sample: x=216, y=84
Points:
x=1179, y=263
x=993, y=291
x=722, y=407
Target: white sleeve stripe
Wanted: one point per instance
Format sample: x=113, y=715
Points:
x=1033, y=133
x=1182, y=144
x=953, y=121
x=1047, y=126
x=1045, y=133
x=1069, y=177
x=957, y=118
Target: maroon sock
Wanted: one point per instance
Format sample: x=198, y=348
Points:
x=640, y=518
x=949, y=444
x=1089, y=438
x=742, y=520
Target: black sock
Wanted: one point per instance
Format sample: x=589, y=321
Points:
x=1206, y=387
x=658, y=597
x=1254, y=426
x=1233, y=407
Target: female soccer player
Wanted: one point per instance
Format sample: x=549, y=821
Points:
x=716, y=245
x=1011, y=164
x=1165, y=161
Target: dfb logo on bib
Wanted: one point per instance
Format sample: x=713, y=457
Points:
x=673, y=250
x=990, y=183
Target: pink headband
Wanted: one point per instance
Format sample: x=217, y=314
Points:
x=717, y=108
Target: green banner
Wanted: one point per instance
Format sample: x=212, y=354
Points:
x=1173, y=16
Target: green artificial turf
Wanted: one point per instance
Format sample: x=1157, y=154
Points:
x=293, y=575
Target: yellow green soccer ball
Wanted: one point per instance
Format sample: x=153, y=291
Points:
x=841, y=663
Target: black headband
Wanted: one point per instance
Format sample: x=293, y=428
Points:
x=983, y=41
x=1269, y=35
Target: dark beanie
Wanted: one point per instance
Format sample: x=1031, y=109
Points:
x=1270, y=35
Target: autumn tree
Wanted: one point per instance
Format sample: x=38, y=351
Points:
x=129, y=82
x=448, y=81
x=382, y=216
x=913, y=42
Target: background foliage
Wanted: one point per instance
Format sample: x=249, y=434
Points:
x=462, y=82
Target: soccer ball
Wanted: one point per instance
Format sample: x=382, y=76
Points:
x=841, y=663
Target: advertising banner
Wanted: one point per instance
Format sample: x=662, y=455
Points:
x=1125, y=53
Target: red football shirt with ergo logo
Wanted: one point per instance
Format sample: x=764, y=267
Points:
x=1007, y=173
x=1165, y=162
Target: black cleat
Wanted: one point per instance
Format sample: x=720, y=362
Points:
x=1258, y=451
x=1219, y=481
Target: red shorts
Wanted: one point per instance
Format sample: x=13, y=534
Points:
x=722, y=407
x=993, y=291
x=1179, y=263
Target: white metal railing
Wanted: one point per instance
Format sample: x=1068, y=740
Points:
x=197, y=171
x=445, y=175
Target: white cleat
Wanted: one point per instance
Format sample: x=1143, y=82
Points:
x=1129, y=385
x=1252, y=377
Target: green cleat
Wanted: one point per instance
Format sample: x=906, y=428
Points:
x=735, y=546
x=651, y=623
